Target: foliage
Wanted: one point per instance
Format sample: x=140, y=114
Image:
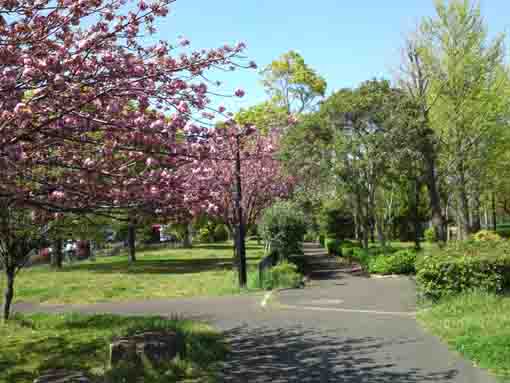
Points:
x=430, y=235
x=34, y=343
x=284, y=275
x=220, y=233
x=334, y=246
x=292, y=84
x=322, y=240
x=205, y=235
x=477, y=325
x=400, y=262
x=283, y=227
x=464, y=266
x=486, y=235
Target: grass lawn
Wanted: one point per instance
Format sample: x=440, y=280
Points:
x=35, y=343
x=205, y=270
x=476, y=325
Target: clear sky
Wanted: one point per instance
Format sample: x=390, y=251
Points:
x=346, y=41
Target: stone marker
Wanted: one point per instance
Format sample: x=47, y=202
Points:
x=154, y=346
x=62, y=376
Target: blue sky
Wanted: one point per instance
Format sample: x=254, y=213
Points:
x=346, y=41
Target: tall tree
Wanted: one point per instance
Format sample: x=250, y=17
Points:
x=70, y=139
x=466, y=82
x=292, y=84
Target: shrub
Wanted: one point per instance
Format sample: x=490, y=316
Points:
x=283, y=275
x=322, y=240
x=310, y=237
x=503, y=232
x=220, y=233
x=334, y=246
x=465, y=266
x=283, y=225
x=400, y=262
x=205, y=235
x=486, y=235
x=362, y=256
x=430, y=235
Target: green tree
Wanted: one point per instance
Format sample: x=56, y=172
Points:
x=465, y=93
x=292, y=84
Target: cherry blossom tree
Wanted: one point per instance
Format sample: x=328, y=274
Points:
x=90, y=115
x=211, y=186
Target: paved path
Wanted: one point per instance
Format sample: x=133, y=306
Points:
x=341, y=328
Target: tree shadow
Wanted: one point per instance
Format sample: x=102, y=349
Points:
x=80, y=343
x=278, y=355
x=157, y=266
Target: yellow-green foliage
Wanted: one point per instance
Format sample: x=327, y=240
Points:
x=486, y=235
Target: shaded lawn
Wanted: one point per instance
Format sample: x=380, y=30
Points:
x=35, y=343
x=477, y=325
x=205, y=270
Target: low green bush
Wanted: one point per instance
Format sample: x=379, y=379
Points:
x=362, y=256
x=486, y=235
x=334, y=246
x=310, y=237
x=322, y=240
x=220, y=233
x=463, y=267
x=430, y=235
x=503, y=232
x=283, y=275
x=400, y=262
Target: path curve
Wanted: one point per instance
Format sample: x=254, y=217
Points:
x=337, y=329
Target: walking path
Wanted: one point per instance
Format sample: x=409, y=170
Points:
x=340, y=328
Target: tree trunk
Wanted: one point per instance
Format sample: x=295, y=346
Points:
x=356, y=226
x=435, y=201
x=380, y=233
x=57, y=255
x=476, y=224
x=131, y=242
x=416, y=215
x=187, y=241
x=463, y=205
x=9, y=293
x=494, y=215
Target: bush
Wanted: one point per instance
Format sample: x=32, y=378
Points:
x=205, y=235
x=465, y=266
x=283, y=226
x=430, y=235
x=283, y=275
x=310, y=237
x=400, y=262
x=220, y=233
x=322, y=240
x=503, y=232
x=486, y=235
x=334, y=246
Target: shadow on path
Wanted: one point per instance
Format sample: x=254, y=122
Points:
x=262, y=355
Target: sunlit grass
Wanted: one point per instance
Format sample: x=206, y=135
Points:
x=205, y=270
x=476, y=325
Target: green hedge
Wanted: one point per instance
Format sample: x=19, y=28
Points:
x=322, y=240
x=283, y=275
x=464, y=266
x=400, y=262
x=334, y=246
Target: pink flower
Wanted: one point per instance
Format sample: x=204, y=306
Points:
x=239, y=93
x=183, y=107
x=221, y=109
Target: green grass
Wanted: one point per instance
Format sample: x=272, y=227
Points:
x=205, y=270
x=34, y=343
x=476, y=325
